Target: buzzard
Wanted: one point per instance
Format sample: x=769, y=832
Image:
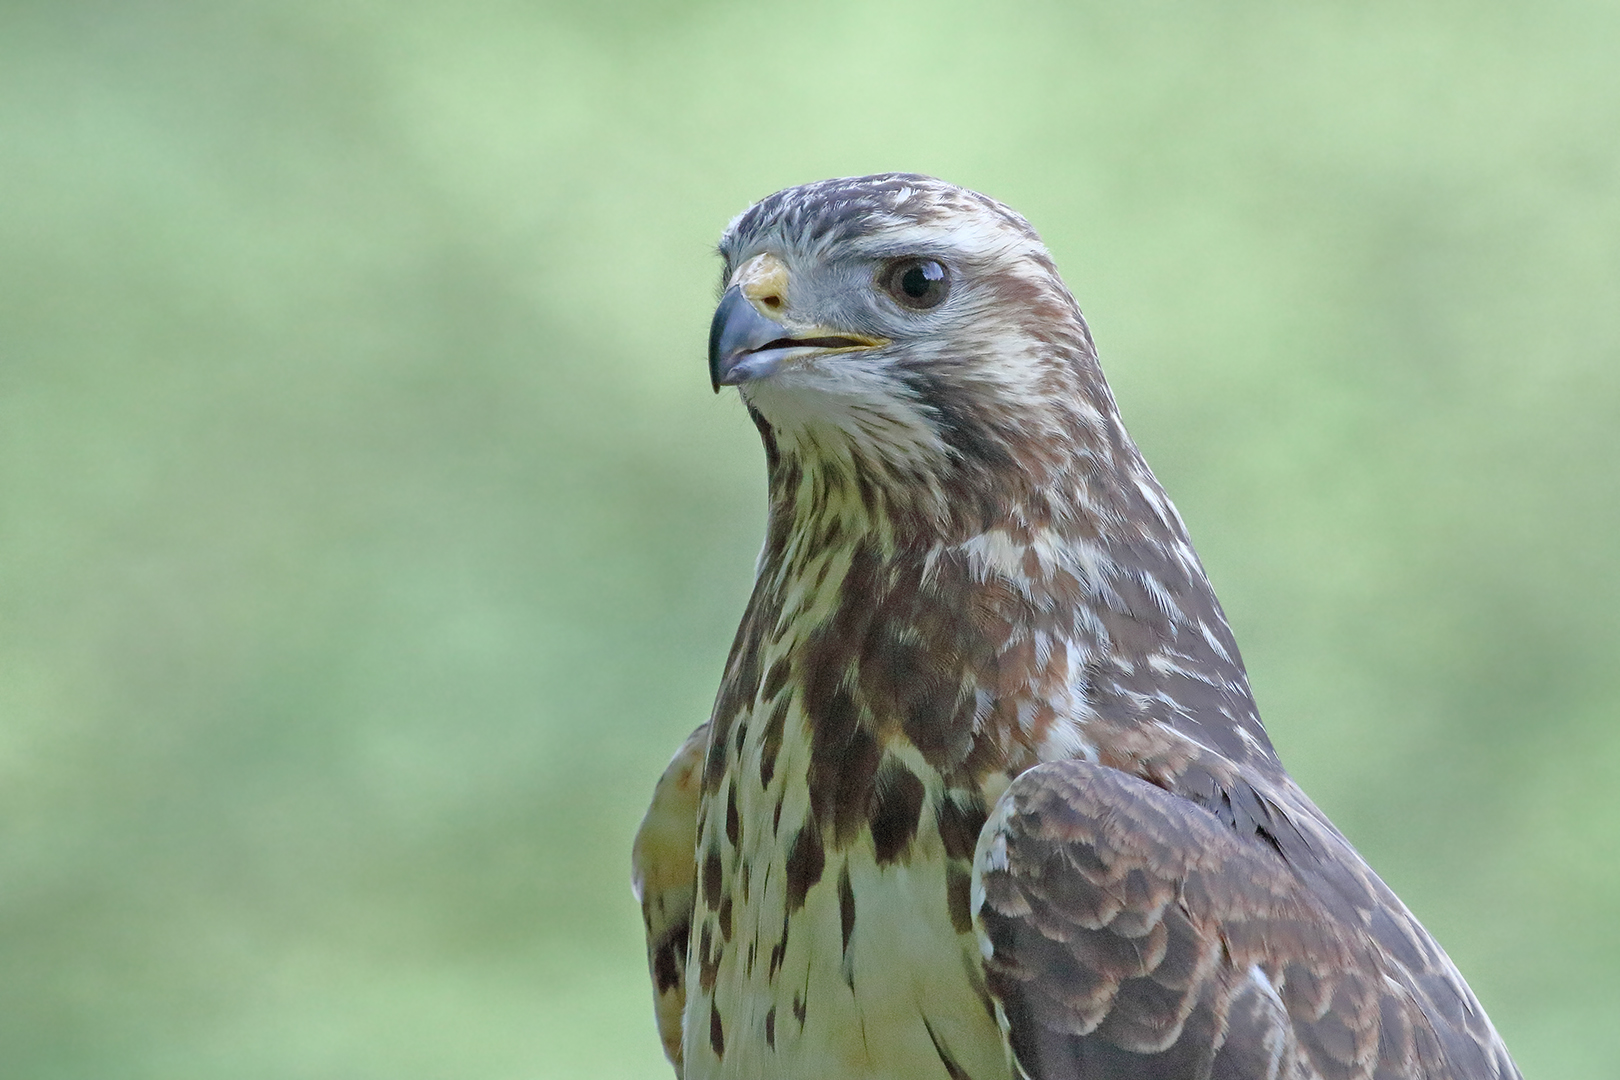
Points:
x=984, y=794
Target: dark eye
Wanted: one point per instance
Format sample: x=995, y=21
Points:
x=918, y=284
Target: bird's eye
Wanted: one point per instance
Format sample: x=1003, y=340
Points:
x=917, y=284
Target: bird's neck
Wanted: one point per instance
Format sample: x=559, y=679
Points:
x=996, y=628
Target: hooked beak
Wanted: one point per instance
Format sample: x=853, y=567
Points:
x=745, y=344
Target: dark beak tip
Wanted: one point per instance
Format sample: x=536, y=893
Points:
x=738, y=329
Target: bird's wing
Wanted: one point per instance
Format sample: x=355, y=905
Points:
x=663, y=869
x=1128, y=932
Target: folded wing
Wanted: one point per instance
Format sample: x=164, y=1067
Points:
x=1129, y=932
x=664, y=874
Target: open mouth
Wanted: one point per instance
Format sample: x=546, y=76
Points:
x=813, y=343
x=745, y=345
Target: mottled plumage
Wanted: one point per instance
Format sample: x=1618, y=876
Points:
x=984, y=793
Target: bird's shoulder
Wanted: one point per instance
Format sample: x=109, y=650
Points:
x=663, y=868
x=1227, y=930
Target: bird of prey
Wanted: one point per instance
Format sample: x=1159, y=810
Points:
x=984, y=794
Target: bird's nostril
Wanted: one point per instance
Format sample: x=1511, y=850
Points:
x=772, y=301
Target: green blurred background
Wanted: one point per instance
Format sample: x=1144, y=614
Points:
x=369, y=536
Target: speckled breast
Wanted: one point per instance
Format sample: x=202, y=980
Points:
x=839, y=942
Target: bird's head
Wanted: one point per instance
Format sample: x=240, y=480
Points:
x=909, y=330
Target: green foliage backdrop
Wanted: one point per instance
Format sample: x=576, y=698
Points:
x=369, y=536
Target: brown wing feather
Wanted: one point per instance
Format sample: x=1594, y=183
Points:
x=663, y=868
x=1128, y=932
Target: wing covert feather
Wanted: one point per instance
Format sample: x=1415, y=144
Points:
x=663, y=866
x=1127, y=932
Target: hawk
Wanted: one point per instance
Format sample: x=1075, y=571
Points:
x=984, y=794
